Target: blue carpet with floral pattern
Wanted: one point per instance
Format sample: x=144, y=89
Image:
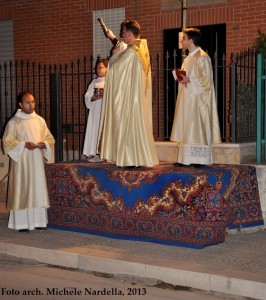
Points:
x=181, y=206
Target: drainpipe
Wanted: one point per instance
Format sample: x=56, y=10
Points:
x=184, y=22
x=184, y=13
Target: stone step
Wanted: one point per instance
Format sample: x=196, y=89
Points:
x=224, y=153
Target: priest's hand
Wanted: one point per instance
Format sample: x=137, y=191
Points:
x=30, y=146
x=41, y=145
x=185, y=80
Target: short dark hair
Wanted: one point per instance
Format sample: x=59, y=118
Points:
x=194, y=34
x=21, y=95
x=132, y=26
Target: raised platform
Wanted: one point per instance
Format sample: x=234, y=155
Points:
x=224, y=153
x=164, y=204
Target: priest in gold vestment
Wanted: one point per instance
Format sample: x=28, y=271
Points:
x=195, y=125
x=127, y=136
x=27, y=141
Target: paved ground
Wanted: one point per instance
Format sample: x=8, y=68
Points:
x=23, y=278
x=236, y=267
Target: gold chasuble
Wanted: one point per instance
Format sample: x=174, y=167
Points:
x=127, y=137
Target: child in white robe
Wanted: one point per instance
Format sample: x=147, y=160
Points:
x=93, y=101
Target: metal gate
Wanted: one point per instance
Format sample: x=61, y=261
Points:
x=261, y=108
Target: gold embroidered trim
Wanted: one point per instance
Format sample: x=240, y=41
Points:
x=143, y=55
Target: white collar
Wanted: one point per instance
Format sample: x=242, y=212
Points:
x=194, y=51
x=21, y=114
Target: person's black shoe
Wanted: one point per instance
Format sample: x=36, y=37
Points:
x=24, y=230
x=196, y=166
x=128, y=167
x=178, y=165
x=188, y=166
x=40, y=228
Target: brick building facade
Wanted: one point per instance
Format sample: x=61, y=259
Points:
x=60, y=30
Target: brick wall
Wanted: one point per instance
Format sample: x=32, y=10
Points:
x=61, y=30
x=58, y=31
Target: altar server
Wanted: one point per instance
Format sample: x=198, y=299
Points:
x=93, y=101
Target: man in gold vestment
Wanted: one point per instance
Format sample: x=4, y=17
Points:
x=27, y=141
x=127, y=136
x=195, y=125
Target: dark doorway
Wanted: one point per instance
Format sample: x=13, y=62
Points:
x=213, y=41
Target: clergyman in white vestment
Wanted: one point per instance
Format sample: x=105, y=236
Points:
x=28, y=142
x=127, y=137
x=195, y=126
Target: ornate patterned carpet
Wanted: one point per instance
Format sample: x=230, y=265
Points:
x=180, y=206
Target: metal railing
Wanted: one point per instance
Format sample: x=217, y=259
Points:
x=243, y=96
x=59, y=92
